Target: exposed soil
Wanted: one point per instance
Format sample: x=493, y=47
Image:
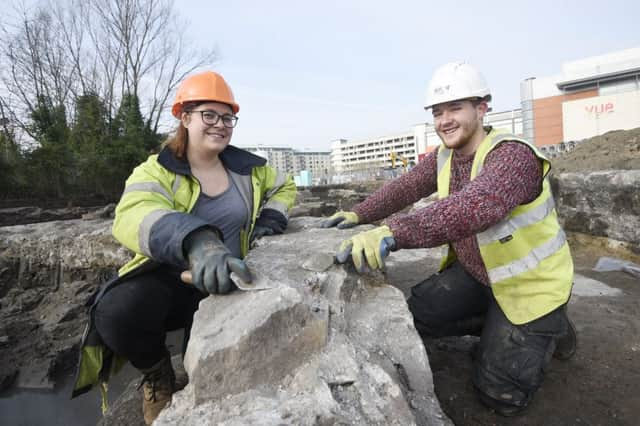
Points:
x=615, y=150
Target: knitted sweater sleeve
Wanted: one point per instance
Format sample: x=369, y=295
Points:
x=401, y=192
x=511, y=175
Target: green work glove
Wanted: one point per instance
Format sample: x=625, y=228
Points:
x=342, y=219
x=373, y=245
x=211, y=262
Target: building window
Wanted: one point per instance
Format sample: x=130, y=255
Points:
x=618, y=87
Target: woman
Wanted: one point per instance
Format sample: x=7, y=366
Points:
x=192, y=206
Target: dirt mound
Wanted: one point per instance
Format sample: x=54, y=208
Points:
x=615, y=150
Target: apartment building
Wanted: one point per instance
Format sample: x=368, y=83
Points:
x=369, y=155
x=317, y=163
x=281, y=158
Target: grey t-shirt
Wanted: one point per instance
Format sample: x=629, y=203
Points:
x=225, y=211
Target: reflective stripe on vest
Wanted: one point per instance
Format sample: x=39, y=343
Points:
x=508, y=226
x=144, y=233
x=531, y=261
x=281, y=179
x=176, y=183
x=148, y=187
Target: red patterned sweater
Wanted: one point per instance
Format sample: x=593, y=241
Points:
x=511, y=175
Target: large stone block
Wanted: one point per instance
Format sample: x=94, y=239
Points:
x=604, y=203
x=246, y=340
x=326, y=346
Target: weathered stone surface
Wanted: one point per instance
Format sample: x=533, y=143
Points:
x=32, y=214
x=344, y=194
x=66, y=244
x=315, y=208
x=250, y=339
x=328, y=346
x=605, y=203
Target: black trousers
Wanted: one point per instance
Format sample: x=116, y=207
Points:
x=511, y=359
x=134, y=316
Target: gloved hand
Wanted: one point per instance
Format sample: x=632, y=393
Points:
x=211, y=262
x=266, y=226
x=373, y=245
x=260, y=231
x=342, y=219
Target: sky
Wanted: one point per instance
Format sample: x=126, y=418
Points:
x=308, y=72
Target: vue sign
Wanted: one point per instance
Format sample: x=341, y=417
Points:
x=598, y=109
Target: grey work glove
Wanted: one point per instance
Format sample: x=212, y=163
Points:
x=211, y=262
x=341, y=220
x=261, y=231
x=266, y=226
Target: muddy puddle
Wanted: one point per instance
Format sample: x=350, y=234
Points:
x=30, y=407
x=27, y=407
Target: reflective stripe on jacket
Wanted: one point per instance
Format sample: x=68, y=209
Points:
x=152, y=219
x=526, y=254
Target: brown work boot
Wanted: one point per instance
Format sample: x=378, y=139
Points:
x=158, y=384
x=567, y=343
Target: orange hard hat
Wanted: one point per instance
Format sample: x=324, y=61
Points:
x=206, y=86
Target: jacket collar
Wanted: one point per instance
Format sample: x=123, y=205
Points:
x=235, y=159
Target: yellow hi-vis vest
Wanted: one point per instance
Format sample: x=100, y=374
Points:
x=526, y=254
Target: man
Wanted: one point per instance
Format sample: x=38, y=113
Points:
x=508, y=273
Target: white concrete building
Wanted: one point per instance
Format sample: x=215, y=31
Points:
x=369, y=158
x=366, y=157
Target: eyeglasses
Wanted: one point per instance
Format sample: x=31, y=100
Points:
x=211, y=118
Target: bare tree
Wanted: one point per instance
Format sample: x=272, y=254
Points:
x=113, y=48
x=35, y=66
x=144, y=51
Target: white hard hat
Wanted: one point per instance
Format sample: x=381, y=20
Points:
x=455, y=81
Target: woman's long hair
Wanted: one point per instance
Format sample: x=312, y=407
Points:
x=178, y=142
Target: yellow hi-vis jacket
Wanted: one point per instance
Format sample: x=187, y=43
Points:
x=152, y=219
x=526, y=254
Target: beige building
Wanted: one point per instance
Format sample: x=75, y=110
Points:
x=589, y=97
x=318, y=163
x=280, y=158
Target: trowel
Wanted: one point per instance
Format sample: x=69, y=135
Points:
x=257, y=283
